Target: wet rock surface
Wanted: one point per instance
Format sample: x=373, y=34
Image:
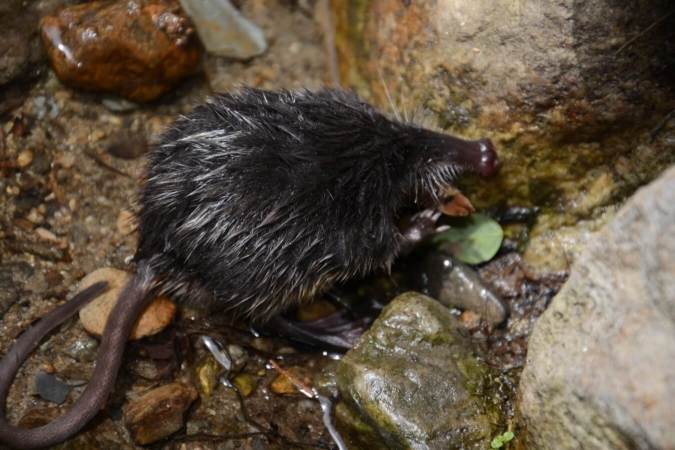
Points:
x=159, y=413
x=600, y=366
x=454, y=284
x=138, y=50
x=224, y=31
x=568, y=92
x=412, y=381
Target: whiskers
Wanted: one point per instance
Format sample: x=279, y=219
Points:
x=433, y=183
x=394, y=109
x=419, y=115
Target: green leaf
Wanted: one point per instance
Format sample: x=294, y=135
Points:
x=499, y=440
x=472, y=239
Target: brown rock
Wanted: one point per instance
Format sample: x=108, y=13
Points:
x=154, y=318
x=159, y=413
x=138, y=49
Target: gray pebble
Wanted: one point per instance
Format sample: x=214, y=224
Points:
x=52, y=389
x=453, y=283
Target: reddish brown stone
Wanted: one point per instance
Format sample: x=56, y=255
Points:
x=137, y=49
x=159, y=413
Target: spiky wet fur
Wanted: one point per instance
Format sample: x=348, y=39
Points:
x=260, y=200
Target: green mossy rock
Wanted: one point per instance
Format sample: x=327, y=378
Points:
x=412, y=382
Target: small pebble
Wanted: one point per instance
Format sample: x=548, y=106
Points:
x=118, y=104
x=34, y=216
x=282, y=385
x=470, y=319
x=52, y=389
x=83, y=349
x=66, y=160
x=155, y=317
x=54, y=110
x=114, y=120
x=25, y=158
x=159, y=413
x=237, y=353
x=294, y=48
x=245, y=383
x=48, y=367
x=24, y=224
x=13, y=190
x=53, y=277
x=453, y=283
x=63, y=95
x=262, y=345
x=207, y=375
x=223, y=30
x=97, y=135
x=146, y=368
x=126, y=48
x=46, y=235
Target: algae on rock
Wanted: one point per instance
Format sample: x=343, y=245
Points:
x=412, y=382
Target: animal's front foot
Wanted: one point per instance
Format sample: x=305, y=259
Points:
x=421, y=227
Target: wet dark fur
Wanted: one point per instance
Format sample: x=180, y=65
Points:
x=259, y=200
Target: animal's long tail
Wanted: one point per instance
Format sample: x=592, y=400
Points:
x=130, y=303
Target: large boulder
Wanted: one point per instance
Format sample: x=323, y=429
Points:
x=600, y=371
